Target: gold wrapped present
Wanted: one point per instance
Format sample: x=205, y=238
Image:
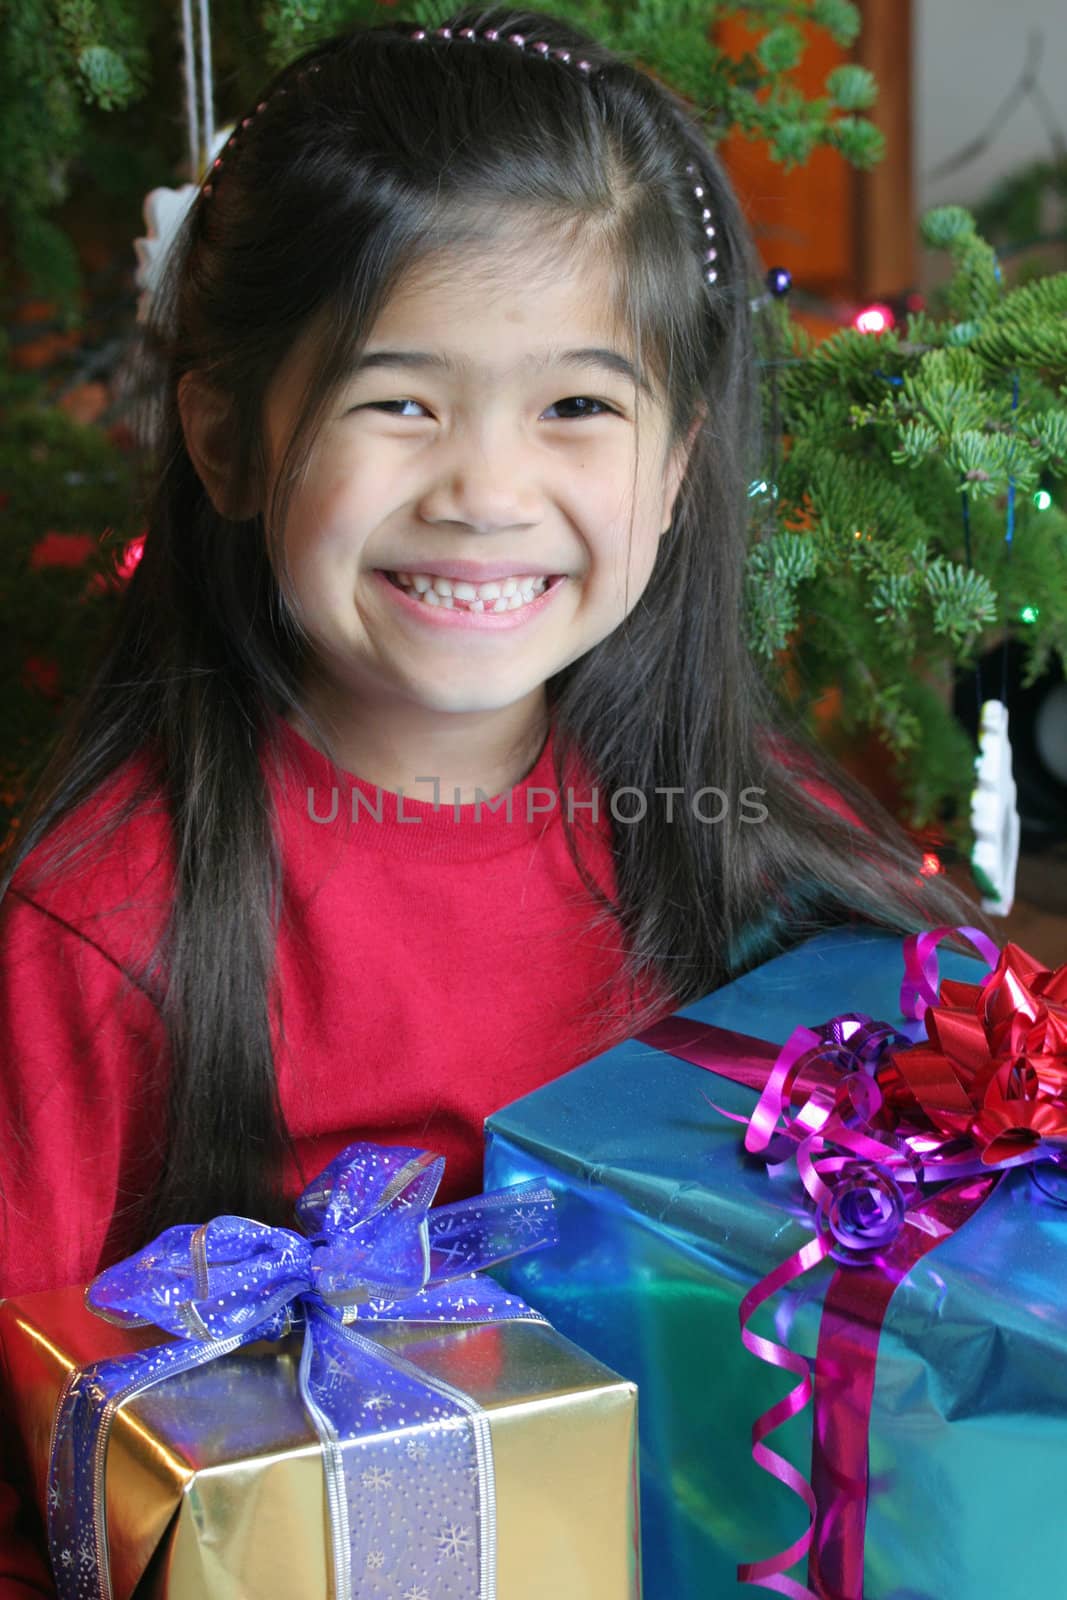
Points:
x=215, y=1487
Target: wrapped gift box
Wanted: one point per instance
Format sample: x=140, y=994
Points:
x=665, y=1223
x=215, y=1486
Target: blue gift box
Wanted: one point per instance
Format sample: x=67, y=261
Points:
x=665, y=1223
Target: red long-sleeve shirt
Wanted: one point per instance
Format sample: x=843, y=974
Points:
x=431, y=971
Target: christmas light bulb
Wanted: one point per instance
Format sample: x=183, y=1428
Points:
x=130, y=558
x=876, y=318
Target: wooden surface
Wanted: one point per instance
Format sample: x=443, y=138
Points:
x=885, y=221
x=802, y=219
x=843, y=234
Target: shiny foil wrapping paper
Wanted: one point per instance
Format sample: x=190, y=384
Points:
x=215, y=1487
x=664, y=1225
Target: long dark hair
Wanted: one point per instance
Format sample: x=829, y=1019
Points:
x=387, y=151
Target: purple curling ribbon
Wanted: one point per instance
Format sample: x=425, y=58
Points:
x=371, y=1250
x=919, y=990
x=859, y=1203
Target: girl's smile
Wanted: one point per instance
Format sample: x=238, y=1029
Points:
x=503, y=604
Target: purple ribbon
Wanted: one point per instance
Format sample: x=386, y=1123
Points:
x=371, y=1251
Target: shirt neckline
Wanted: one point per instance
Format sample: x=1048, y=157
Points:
x=384, y=822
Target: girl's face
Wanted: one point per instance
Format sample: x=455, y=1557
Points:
x=492, y=434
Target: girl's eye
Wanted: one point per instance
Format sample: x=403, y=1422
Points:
x=383, y=405
x=585, y=402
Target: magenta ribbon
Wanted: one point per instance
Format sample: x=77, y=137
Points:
x=873, y=1215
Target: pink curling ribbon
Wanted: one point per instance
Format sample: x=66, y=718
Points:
x=873, y=1123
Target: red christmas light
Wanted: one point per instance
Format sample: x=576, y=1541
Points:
x=124, y=566
x=875, y=318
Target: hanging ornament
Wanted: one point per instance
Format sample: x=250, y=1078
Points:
x=164, y=209
x=994, y=802
x=994, y=813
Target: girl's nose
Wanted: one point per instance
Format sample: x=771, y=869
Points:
x=482, y=494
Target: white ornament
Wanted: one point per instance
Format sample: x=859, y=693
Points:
x=164, y=212
x=994, y=813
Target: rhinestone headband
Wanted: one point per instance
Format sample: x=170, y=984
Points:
x=246, y=122
x=517, y=40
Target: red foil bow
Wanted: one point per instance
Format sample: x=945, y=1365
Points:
x=994, y=1070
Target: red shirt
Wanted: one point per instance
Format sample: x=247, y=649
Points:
x=431, y=970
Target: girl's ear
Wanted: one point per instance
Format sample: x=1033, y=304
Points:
x=208, y=427
x=677, y=462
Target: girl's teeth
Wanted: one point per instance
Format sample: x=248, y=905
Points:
x=508, y=595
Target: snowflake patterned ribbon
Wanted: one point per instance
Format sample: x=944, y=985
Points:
x=407, y=1457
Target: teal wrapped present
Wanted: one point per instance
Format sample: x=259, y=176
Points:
x=666, y=1224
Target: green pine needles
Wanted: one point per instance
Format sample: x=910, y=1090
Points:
x=882, y=563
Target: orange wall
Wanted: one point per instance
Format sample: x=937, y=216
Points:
x=803, y=219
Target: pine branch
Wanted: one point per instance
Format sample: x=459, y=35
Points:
x=887, y=438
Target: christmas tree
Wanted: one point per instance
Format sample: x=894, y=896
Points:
x=911, y=522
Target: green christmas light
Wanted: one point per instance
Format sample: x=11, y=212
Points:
x=1042, y=499
x=1029, y=614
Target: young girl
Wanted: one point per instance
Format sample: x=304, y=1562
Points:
x=455, y=417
